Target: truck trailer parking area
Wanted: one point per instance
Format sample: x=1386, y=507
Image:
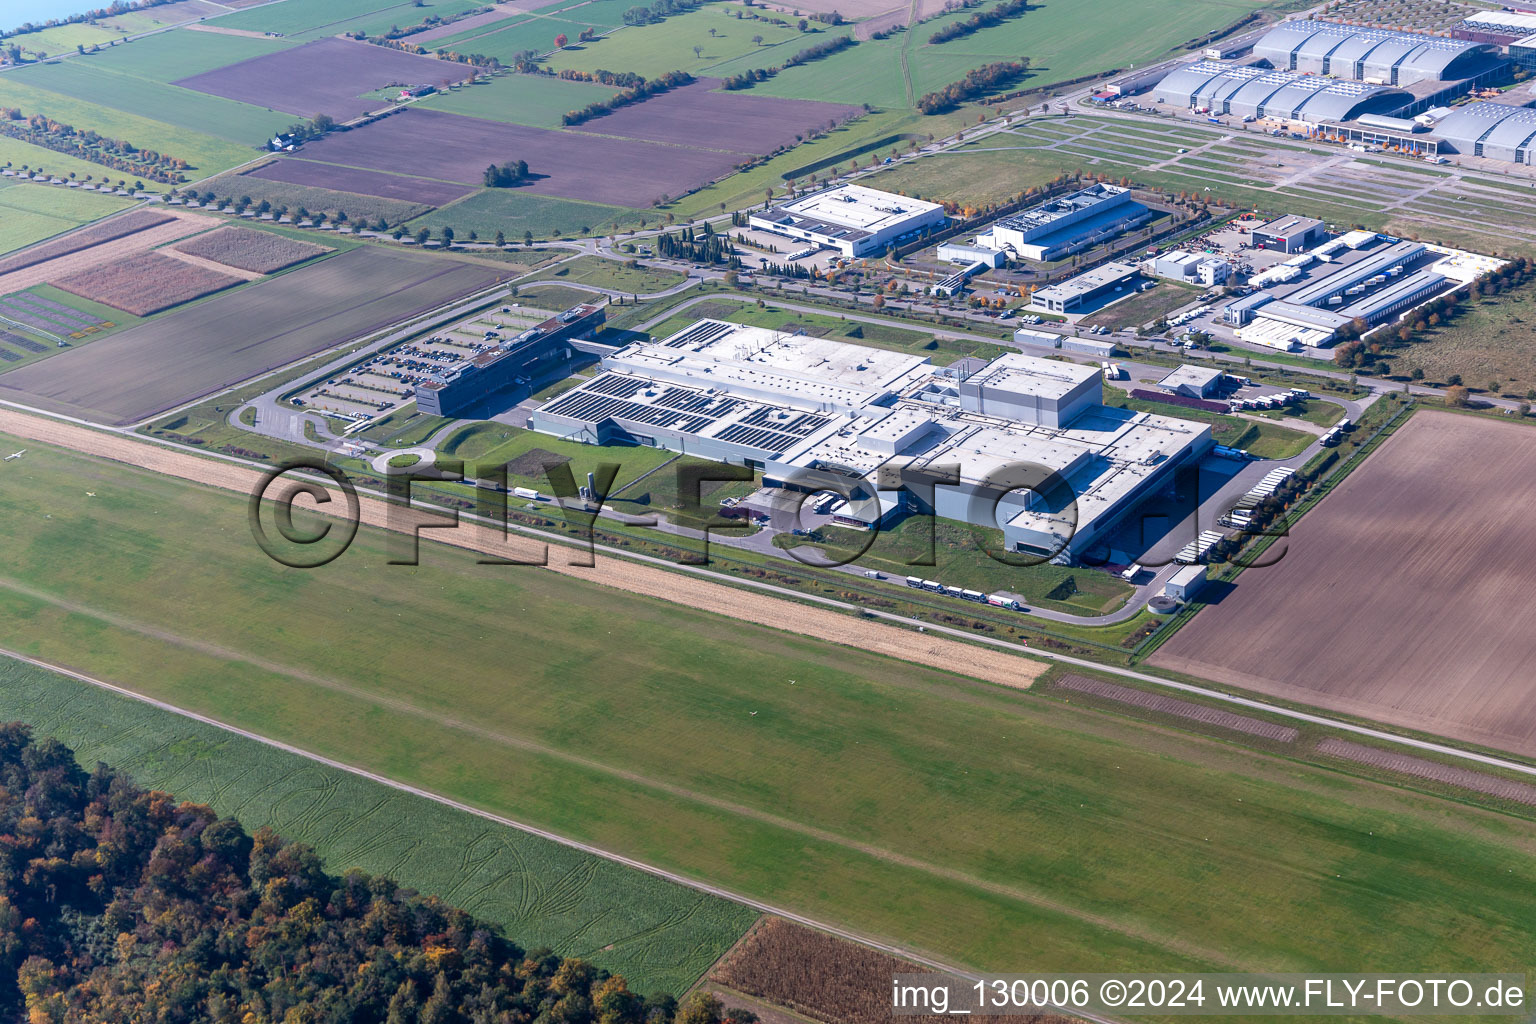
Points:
x=1403, y=597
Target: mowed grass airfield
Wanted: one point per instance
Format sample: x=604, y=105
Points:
x=989, y=826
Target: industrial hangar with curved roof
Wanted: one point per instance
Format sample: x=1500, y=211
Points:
x=1350, y=51
x=1498, y=131
x=1248, y=91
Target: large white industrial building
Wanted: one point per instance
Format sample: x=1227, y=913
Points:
x=1037, y=454
x=852, y=219
x=1498, y=131
x=1066, y=225
x=1247, y=90
x=1378, y=55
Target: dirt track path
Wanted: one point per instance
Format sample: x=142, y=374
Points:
x=924, y=649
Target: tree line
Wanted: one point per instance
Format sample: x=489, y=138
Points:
x=635, y=94
x=747, y=79
x=659, y=9
x=976, y=84
x=980, y=20
x=85, y=144
x=118, y=904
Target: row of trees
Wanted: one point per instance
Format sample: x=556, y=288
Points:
x=85, y=144
x=976, y=84
x=635, y=94
x=747, y=79
x=658, y=10
x=980, y=20
x=431, y=21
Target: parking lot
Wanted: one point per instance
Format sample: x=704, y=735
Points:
x=387, y=380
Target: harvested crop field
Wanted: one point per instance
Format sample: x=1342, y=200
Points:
x=147, y=369
x=328, y=76
x=146, y=283
x=741, y=122
x=574, y=165
x=261, y=252
x=1434, y=771
x=106, y=231
x=822, y=976
x=1178, y=708
x=1403, y=597
x=296, y=171
x=78, y=254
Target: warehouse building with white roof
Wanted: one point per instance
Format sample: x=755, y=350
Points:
x=1022, y=444
x=854, y=220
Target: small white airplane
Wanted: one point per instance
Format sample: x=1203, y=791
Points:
x=15, y=455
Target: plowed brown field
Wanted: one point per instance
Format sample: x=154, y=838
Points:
x=1404, y=597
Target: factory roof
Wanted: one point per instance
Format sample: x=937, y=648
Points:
x=849, y=211
x=1191, y=376
x=1378, y=302
x=1246, y=87
x=1510, y=21
x=1031, y=375
x=1046, y=214
x=1410, y=56
x=1087, y=281
x=1286, y=226
x=1493, y=124
x=809, y=372
x=1350, y=274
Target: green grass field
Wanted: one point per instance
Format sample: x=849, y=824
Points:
x=1060, y=43
x=668, y=45
x=536, y=100
x=102, y=32
x=1489, y=341
x=90, y=82
x=495, y=444
x=205, y=153
x=514, y=211
x=605, y=273
x=660, y=936
x=959, y=561
x=303, y=19
x=32, y=212
x=170, y=56
x=17, y=154
x=985, y=824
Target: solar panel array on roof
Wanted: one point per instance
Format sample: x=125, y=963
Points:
x=584, y=405
x=1499, y=131
x=700, y=334
x=757, y=437
x=1243, y=90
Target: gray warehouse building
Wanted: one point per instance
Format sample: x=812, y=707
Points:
x=1245, y=90
x=1076, y=292
x=1373, y=54
x=1288, y=234
x=1498, y=131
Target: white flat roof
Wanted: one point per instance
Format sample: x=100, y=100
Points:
x=855, y=206
x=1022, y=374
x=1197, y=376
x=795, y=368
